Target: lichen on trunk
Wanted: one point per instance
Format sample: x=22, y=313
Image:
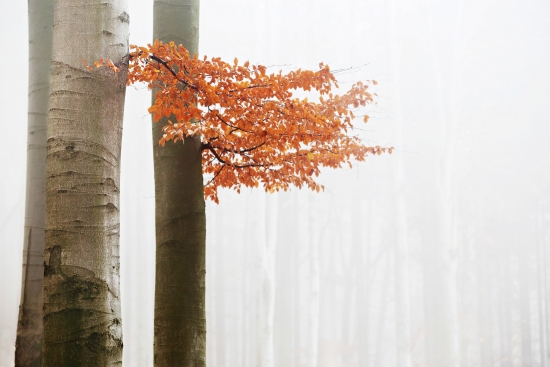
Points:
x=28, y=345
x=82, y=320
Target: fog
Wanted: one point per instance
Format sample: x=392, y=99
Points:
x=436, y=255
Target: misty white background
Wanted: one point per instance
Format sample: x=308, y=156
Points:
x=464, y=90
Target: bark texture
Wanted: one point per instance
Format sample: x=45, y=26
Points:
x=82, y=320
x=180, y=321
x=28, y=344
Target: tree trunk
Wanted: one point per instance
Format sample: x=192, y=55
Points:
x=314, y=280
x=284, y=324
x=402, y=301
x=440, y=243
x=28, y=345
x=267, y=289
x=505, y=298
x=362, y=261
x=82, y=321
x=247, y=296
x=542, y=300
x=525, y=277
x=217, y=283
x=484, y=308
x=180, y=325
x=297, y=287
x=401, y=246
x=382, y=318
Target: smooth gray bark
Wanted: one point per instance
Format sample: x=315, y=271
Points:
x=180, y=320
x=28, y=345
x=82, y=319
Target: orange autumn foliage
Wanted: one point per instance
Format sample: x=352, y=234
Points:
x=253, y=131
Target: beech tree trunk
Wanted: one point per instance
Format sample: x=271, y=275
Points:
x=28, y=345
x=180, y=321
x=82, y=320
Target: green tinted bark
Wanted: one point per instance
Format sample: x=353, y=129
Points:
x=180, y=326
x=28, y=345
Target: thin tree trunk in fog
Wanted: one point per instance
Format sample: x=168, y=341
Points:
x=297, y=286
x=313, y=334
x=441, y=261
x=401, y=279
x=525, y=308
x=356, y=277
x=329, y=299
x=82, y=321
x=484, y=314
x=541, y=300
x=542, y=288
x=471, y=351
x=216, y=286
x=180, y=325
x=245, y=299
x=211, y=284
x=362, y=300
x=283, y=318
x=545, y=238
x=440, y=312
x=28, y=345
x=401, y=260
x=220, y=304
x=255, y=233
x=348, y=316
x=267, y=291
x=383, y=307
x=505, y=303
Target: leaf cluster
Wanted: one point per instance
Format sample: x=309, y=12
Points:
x=252, y=129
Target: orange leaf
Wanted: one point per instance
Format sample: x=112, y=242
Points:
x=256, y=133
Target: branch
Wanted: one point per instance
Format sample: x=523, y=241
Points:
x=165, y=64
x=249, y=87
x=211, y=148
x=251, y=165
x=337, y=71
x=228, y=124
x=242, y=151
x=216, y=175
